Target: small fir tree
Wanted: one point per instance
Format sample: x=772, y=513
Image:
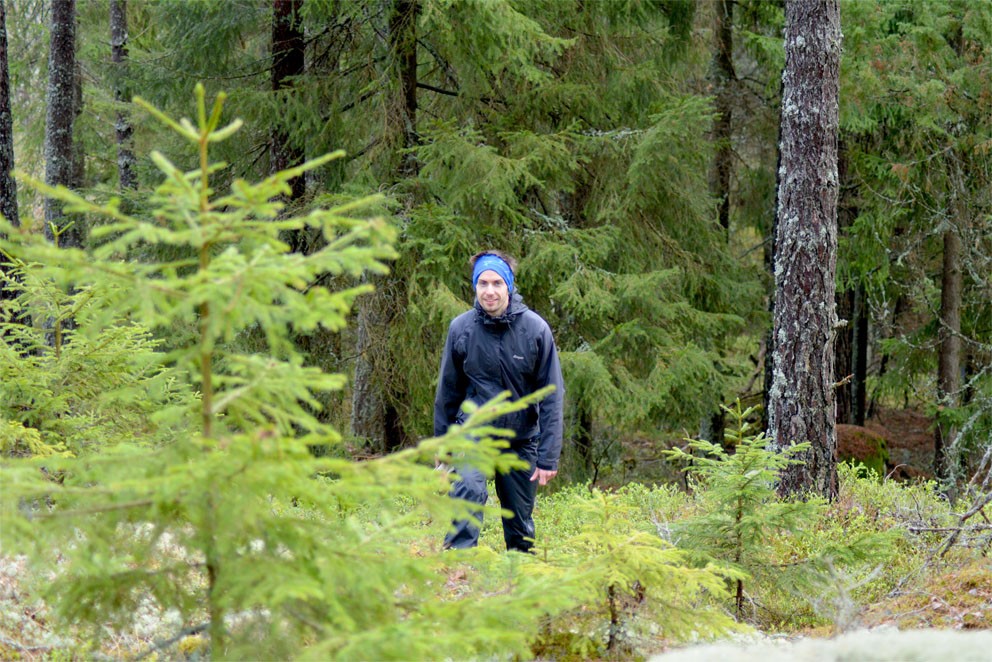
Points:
x=231, y=525
x=743, y=523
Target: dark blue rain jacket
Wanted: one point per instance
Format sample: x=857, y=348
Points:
x=485, y=356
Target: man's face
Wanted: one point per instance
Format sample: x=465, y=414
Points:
x=492, y=293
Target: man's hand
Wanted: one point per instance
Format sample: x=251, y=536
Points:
x=543, y=476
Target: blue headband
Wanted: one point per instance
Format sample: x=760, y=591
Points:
x=490, y=262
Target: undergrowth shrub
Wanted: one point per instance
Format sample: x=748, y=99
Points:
x=783, y=550
x=71, y=379
x=636, y=589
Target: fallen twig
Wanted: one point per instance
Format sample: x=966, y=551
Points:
x=162, y=645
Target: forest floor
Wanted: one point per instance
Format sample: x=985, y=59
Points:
x=955, y=593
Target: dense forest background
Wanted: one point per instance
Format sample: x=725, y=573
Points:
x=626, y=152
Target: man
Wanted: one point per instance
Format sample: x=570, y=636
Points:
x=502, y=345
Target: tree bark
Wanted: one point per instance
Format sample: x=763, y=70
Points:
x=859, y=396
x=711, y=427
x=844, y=358
x=59, y=120
x=403, y=43
x=802, y=393
x=949, y=356
x=8, y=187
x=122, y=125
x=724, y=75
x=851, y=349
x=288, y=60
x=375, y=417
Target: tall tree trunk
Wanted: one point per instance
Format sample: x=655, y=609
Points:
x=846, y=344
x=59, y=120
x=122, y=126
x=844, y=358
x=287, y=63
x=403, y=43
x=8, y=187
x=859, y=395
x=802, y=393
x=712, y=426
x=375, y=416
x=724, y=75
x=949, y=357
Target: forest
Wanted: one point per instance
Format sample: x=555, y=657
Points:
x=233, y=234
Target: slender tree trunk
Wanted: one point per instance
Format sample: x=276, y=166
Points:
x=724, y=75
x=122, y=126
x=59, y=120
x=8, y=187
x=859, y=400
x=844, y=358
x=375, y=415
x=287, y=63
x=403, y=43
x=848, y=347
x=712, y=426
x=802, y=393
x=949, y=357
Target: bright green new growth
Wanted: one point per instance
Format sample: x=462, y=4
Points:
x=634, y=585
x=743, y=522
x=214, y=513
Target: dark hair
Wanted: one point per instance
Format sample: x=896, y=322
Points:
x=500, y=254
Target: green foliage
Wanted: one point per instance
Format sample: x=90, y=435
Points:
x=231, y=522
x=745, y=524
x=917, y=129
x=73, y=382
x=635, y=587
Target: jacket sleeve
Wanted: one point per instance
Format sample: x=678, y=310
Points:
x=451, y=386
x=551, y=408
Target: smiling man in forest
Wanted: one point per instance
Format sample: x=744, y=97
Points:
x=502, y=345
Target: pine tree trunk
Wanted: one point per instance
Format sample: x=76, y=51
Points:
x=375, y=417
x=860, y=355
x=403, y=43
x=802, y=398
x=949, y=357
x=8, y=187
x=59, y=120
x=846, y=345
x=844, y=358
x=122, y=126
x=724, y=74
x=711, y=427
x=287, y=62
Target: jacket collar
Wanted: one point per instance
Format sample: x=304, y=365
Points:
x=514, y=310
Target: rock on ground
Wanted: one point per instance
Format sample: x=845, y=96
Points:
x=888, y=645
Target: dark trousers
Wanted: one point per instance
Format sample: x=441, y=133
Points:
x=516, y=493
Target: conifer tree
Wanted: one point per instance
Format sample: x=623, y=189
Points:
x=801, y=400
x=743, y=520
x=925, y=196
x=229, y=519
